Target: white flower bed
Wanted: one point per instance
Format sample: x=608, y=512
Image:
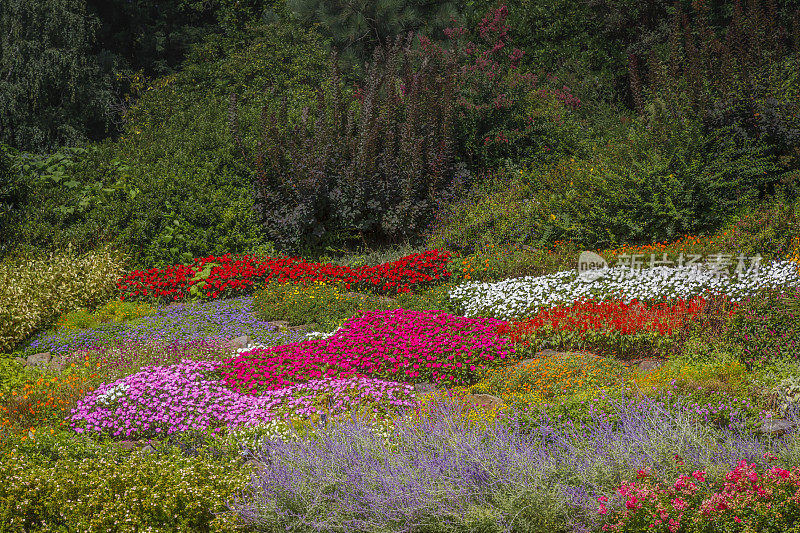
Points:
x=520, y=297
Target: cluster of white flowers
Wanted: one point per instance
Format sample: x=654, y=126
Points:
x=112, y=394
x=521, y=297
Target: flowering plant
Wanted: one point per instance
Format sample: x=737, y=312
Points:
x=606, y=326
x=396, y=345
x=747, y=501
x=234, y=276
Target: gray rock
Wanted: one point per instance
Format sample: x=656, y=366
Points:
x=424, y=388
x=238, y=343
x=21, y=361
x=650, y=365
x=546, y=353
x=776, y=426
x=39, y=359
x=147, y=450
x=486, y=401
x=128, y=445
x=57, y=364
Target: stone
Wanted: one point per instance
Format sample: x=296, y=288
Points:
x=128, y=445
x=546, y=353
x=486, y=401
x=21, y=361
x=425, y=388
x=39, y=359
x=57, y=364
x=776, y=426
x=280, y=324
x=147, y=450
x=238, y=343
x=648, y=365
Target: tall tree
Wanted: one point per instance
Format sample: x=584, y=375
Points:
x=53, y=90
x=357, y=27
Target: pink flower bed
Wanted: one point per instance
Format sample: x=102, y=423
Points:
x=747, y=502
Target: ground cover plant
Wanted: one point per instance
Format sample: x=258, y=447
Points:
x=304, y=402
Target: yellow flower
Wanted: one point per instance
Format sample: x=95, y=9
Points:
x=553, y=217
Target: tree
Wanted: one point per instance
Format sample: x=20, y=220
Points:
x=357, y=27
x=53, y=90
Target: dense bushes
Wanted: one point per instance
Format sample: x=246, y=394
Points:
x=86, y=487
x=373, y=167
x=171, y=188
x=741, y=80
x=33, y=293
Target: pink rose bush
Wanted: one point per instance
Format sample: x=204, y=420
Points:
x=747, y=501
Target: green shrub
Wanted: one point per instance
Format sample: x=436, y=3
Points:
x=319, y=303
x=115, y=311
x=171, y=189
x=766, y=327
x=33, y=293
x=700, y=350
x=11, y=374
x=86, y=488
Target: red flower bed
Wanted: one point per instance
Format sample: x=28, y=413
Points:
x=235, y=276
x=613, y=326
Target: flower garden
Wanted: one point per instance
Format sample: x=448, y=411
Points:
x=155, y=424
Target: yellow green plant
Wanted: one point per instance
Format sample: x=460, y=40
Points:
x=34, y=292
x=114, y=311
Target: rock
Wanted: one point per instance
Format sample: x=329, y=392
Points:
x=39, y=359
x=147, y=450
x=776, y=426
x=128, y=445
x=239, y=342
x=648, y=365
x=486, y=401
x=57, y=364
x=21, y=361
x=425, y=388
x=280, y=323
x=546, y=353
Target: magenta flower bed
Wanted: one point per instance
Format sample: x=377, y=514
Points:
x=398, y=345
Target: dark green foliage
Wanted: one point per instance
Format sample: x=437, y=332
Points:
x=171, y=188
x=743, y=80
x=53, y=86
x=356, y=29
x=374, y=164
x=507, y=115
x=54, y=203
x=13, y=191
x=771, y=231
